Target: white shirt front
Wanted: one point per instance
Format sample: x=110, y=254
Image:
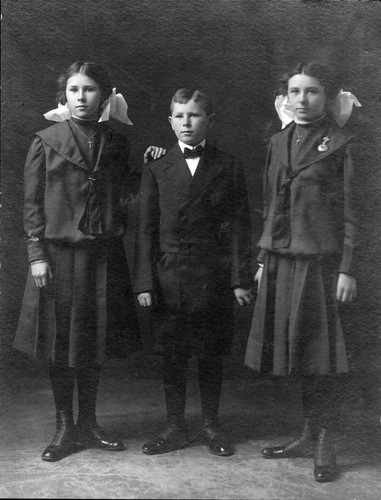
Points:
x=191, y=162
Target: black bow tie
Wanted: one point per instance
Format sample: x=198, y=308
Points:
x=193, y=153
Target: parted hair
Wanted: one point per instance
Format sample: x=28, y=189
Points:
x=182, y=96
x=326, y=75
x=90, y=69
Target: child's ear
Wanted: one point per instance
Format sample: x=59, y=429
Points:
x=211, y=120
x=170, y=120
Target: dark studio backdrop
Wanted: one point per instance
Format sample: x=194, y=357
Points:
x=235, y=49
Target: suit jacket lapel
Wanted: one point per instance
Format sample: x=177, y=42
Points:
x=176, y=169
x=205, y=173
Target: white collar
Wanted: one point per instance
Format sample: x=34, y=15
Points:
x=183, y=145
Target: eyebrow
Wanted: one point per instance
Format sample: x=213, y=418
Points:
x=307, y=88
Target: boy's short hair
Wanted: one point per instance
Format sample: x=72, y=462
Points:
x=182, y=96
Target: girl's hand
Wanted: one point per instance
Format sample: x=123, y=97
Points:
x=153, y=153
x=41, y=272
x=346, y=289
x=243, y=296
x=258, y=276
x=145, y=299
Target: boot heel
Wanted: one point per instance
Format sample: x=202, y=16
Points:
x=325, y=469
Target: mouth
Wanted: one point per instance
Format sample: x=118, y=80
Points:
x=81, y=107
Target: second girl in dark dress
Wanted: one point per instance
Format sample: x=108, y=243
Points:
x=307, y=260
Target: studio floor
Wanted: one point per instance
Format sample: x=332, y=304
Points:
x=256, y=411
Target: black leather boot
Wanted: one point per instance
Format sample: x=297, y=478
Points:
x=90, y=434
x=173, y=437
x=301, y=447
x=210, y=374
x=218, y=442
x=64, y=442
x=325, y=469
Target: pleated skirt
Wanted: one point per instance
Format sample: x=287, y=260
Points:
x=89, y=303
x=296, y=328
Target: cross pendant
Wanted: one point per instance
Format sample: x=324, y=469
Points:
x=90, y=143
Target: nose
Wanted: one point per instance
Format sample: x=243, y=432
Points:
x=186, y=121
x=81, y=95
x=303, y=97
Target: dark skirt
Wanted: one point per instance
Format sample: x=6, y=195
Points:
x=296, y=329
x=86, y=312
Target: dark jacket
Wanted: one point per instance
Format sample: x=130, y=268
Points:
x=57, y=185
x=321, y=215
x=193, y=242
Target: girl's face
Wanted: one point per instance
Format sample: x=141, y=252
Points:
x=83, y=95
x=306, y=97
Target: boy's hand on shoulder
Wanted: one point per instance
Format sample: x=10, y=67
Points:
x=243, y=296
x=153, y=153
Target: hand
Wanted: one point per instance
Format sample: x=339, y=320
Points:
x=346, y=289
x=243, y=296
x=42, y=274
x=145, y=299
x=258, y=276
x=153, y=153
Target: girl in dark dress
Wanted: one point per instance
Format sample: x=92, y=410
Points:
x=307, y=258
x=76, y=174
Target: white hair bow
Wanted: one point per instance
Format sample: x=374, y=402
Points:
x=341, y=108
x=114, y=107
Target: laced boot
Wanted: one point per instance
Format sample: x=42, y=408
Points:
x=218, y=442
x=325, y=469
x=210, y=374
x=172, y=437
x=301, y=447
x=92, y=435
x=64, y=442
x=89, y=432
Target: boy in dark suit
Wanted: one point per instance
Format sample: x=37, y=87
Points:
x=192, y=257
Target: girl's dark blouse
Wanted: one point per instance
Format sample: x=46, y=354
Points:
x=321, y=216
x=57, y=183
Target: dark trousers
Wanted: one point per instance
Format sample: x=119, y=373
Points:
x=175, y=375
x=322, y=397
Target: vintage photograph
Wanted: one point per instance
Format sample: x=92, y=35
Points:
x=191, y=249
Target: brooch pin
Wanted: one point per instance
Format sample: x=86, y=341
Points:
x=323, y=146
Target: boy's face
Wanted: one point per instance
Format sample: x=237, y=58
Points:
x=190, y=122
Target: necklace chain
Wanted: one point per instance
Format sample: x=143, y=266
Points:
x=299, y=135
x=89, y=141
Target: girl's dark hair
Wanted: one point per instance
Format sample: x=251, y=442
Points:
x=326, y=75
x=90, y=69
x=182, y=96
